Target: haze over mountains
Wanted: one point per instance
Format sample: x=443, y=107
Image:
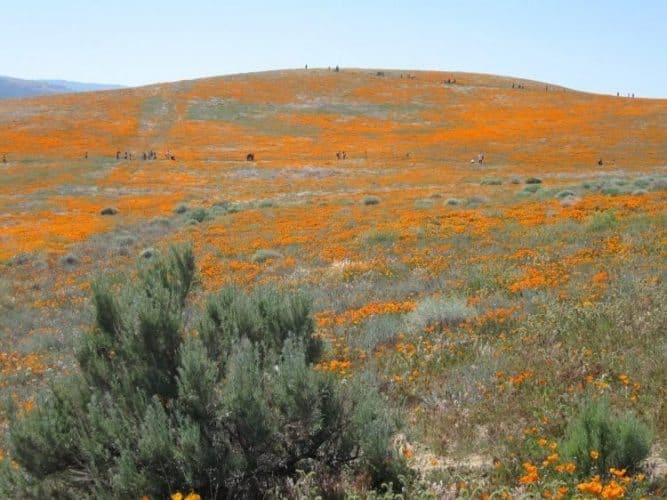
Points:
x=16, y=87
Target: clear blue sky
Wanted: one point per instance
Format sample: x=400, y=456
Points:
x=595, y=45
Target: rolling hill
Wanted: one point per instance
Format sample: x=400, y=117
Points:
x=318, y=112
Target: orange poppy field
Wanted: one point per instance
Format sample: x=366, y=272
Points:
x=487, y=299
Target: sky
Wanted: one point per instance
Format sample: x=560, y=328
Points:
x=603, y=46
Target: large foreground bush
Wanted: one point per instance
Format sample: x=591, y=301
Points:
x=226, y=405
x=598, y=439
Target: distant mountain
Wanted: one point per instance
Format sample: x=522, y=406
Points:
x=16, y=87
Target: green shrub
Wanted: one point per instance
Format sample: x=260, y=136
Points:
x=263, y=255
x=533, y=180
x=226, y=405
x=602, y=221
x=621, y=441
x=181, y=208
x=453, y=201
x=533, y=188
x=371, y=200
x=639, y=192
x=491, y=181
x=565, y=193
x=199, y=214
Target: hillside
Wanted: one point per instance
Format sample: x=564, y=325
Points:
x=17, y=87
x=368, y=116
x=486, y=302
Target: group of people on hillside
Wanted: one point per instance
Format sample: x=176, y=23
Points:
x=150, y=155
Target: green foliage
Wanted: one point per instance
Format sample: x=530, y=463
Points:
x=371, y=200
x=533, y=188
x=533, y=180
x=491, y=181
x=199, y=214
x=227, y=411
x=602, y=221
x=565, y=193
x=620, y=441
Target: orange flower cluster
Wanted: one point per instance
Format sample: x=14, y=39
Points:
x=12, y=362
x=340, y=367
x=531, y=475
x=521, y=377
x=597, y=488
x=356, y=316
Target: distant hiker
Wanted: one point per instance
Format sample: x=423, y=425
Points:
x=250, y=157
x=600, y=163
x=480, y=158
x=117, y=155
x=172, y=157
x=86, y=155
x=4, y=158
x=512, y=84
x=125, y=155
x=618, y=94
x=130, y=156
x=144, y=156
x=633, y=95
x=344, y=155
x=306, y=66
x=337, y=69
x=338, y=155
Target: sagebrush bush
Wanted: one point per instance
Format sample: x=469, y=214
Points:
x=371, y=200
x=602, y=221
x=533, y=180
x=199, y=214
x=597, y=439
x=491, y=181
x=565, y=193
x=225, y=405
x=533, y=188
